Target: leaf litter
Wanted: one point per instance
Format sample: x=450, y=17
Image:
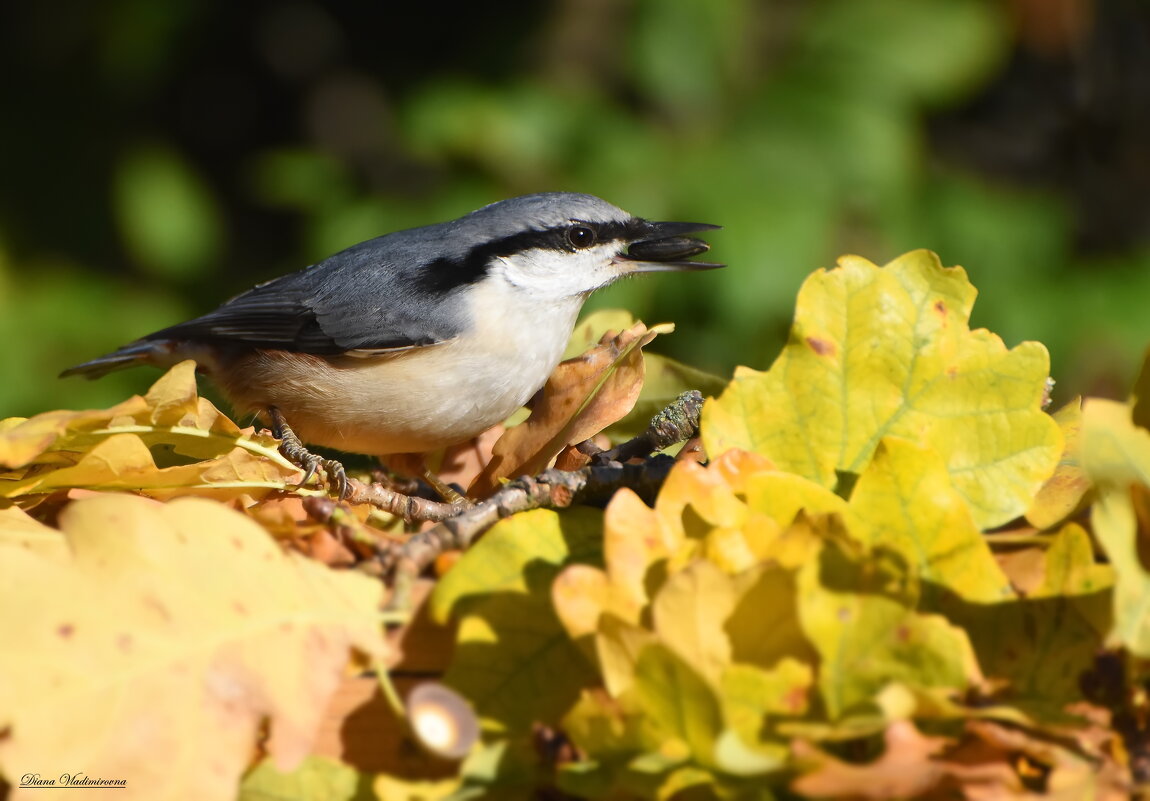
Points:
x=894, y=577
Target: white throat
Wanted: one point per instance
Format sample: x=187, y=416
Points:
x=547, y=276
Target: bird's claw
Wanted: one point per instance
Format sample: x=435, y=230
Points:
x=336, y=477
x=293, y=449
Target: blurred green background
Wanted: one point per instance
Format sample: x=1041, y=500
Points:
x=157, y=158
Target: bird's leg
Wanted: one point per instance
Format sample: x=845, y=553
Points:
x=295, y=452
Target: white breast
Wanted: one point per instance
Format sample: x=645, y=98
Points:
x=421, y=399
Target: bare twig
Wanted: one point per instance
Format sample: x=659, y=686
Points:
x=677, y=422
x=408, y=507
x=459, y=524
x=554, y=489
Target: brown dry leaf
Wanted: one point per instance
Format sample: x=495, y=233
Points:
x=284, y=518
x=907, y=768
x=326, y=548
x=582, y=397
x=462, y=464
x=157, y=648
x=993, y=759
x=571, y=458
x=1024, y=567
x=992, y=762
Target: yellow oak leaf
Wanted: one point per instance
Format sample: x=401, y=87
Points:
x=887, y=351
x=169, y=440
x=1065, y=492
x=158, y=649
x=124, y=462
x=905, y=500
x=867, y=637
x=19, y=529
x=1116, y=456
x=689, y=613
x=513, y=660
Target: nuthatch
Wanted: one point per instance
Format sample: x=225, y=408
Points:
x=422, y=338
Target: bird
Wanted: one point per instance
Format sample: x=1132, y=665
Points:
x=418, y=339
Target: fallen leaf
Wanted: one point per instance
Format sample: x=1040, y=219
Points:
x=751, y=695
x=521, y=554
x=617, y=646
x=163, y=443
x=159, y=649
x=582, y=397
x=515, y=663
x=513, y=660
x=906, y=769
x=124, y=462
x=20, y=530
x=679, y=710
x=632, y=544
x=462, y=464
x=764, y=626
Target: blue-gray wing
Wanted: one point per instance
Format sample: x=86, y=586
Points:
x=354, y=300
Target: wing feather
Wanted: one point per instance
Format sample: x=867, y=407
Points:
x=352, y=301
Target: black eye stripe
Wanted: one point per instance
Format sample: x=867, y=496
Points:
x=617, y=231
x=446, y=274
x=556, y=238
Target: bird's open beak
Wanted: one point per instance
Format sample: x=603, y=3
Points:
x=664, y=248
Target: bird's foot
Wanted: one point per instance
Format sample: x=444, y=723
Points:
x=295, y=452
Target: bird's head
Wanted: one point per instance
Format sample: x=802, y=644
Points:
x=561, y=245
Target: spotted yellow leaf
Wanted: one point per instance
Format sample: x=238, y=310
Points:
x=887, y=351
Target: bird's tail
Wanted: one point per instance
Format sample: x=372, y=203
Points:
x=142, y=351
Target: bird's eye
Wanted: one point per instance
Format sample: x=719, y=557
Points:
x=580, y=236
